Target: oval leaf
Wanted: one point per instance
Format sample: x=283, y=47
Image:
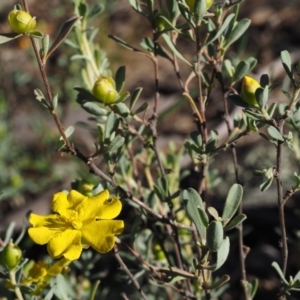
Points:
x=232, y=202
x=193, y=201
x=215, y=234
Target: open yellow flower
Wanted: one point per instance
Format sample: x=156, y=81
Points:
x=80, y=222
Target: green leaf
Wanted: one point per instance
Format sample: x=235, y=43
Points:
x=161, y=188
x=261, y=95
x=241, y=70
x=121, y=109
x=279, y=272
x=203, y=216
x=213, y=212
x=174, y=49
x=232, y=202
x=123, y=43
x=116, y=143
x=7, y=37
x=252, y=62
x=134, y=97
x=222, y=253
x=68, y=132
x=79, y=56
x=199, y=10
x=287, y=65
x=217, y=284
x=193, y=201
x=143, y=107
x=238, y=30
x=221, y=30
x=96, y=10
x=44, y=46
x=275, y=134
x=111, y=126
x=94, y=109
x=54, y=101
x=36, y=34
x=214, y=235
x=264, y=80
x=237, y=100
x=235, y=222
x=85, y=95
x=120, y=78
x=264, y=186
x=41, y=98
x=271, y=109
x=66, y=28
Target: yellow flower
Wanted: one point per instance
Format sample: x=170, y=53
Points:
x=249, y=86
x=40, y=273
x=20, y=21
x=80, y=222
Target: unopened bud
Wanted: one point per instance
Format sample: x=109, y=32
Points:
x=10, y=256
x=105, y=90
x=191, y=4
x=21, y=22
x=249, y=86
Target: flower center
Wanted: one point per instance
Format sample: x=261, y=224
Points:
x=73, y=219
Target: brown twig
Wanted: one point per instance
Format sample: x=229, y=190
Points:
x=126, y=270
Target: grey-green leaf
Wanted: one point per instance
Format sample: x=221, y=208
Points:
x=287, y=65
x=237, y=32
x=261, y=95
x=232, y=202
x=241, y=70
x=120, y=78
x=94, y=109
x=237, y=100
x=275, y=134
x=66, y=28
x=213, y=212
x=222, y=29
x=116, y=143
x=222, y=253
x=225, y=278
x=192, y=201
x=279, y=272
x=68, y=132
x=6, y=37
x=134, y=97
x=215, y=234
x=235, y=221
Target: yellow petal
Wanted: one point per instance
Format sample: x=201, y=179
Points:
x=60, y=202
x=101, y=207
x=45, y=227
x=101, y=234
x=67, y=244
x=37, y=220
x=58, y=266
x=75, y=199
x=41, y=235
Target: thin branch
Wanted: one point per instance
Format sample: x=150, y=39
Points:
x=126, y=270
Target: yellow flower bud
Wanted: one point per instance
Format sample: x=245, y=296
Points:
x=10, y=256
x=21, y=22
x=249, y=86
x=105, y=90
x=191, y=4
